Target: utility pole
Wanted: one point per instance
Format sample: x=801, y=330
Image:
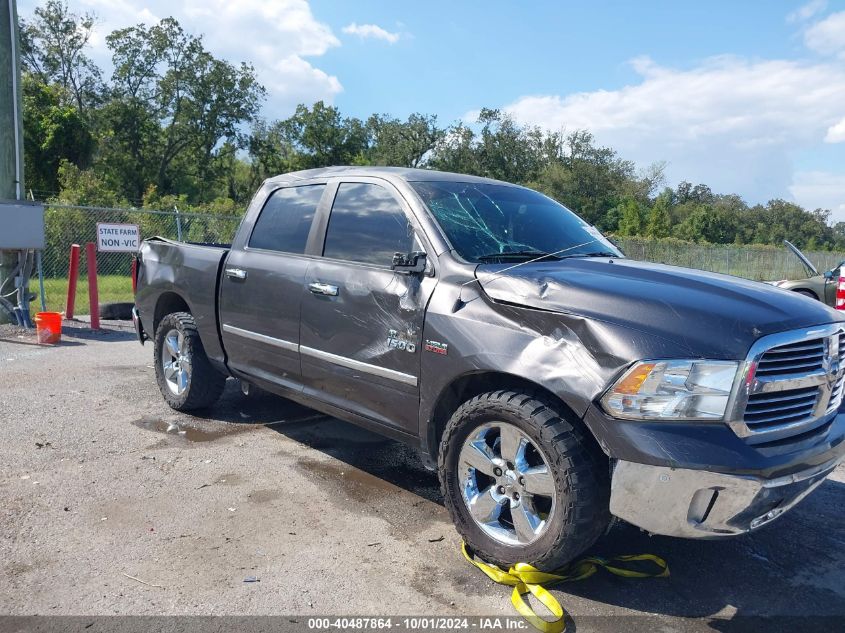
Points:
x=11, y=127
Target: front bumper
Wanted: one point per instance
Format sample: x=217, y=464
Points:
x=701, y=504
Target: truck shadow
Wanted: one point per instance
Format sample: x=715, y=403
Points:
x=385, y=459
x=793, y=569
x=106, y=334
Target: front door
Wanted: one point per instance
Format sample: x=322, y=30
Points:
x=362, y=322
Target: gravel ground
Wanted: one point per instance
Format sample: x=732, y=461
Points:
x=114, y=504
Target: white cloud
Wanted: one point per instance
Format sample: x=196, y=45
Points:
x=112, y=15
x=278, y=37
x=827, y=36
x=275, y=37
x=836, y=133
x=820, y=190
x=807, y=11
x=732, y=123
x=373, y=31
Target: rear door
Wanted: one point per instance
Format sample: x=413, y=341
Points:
x=361, y=321
x=262, y=285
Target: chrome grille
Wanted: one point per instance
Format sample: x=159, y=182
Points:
x=796, y=358
x=765, y=410
x=837, y=392
x=792, y=385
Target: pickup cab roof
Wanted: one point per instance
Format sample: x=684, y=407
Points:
x=402, y=173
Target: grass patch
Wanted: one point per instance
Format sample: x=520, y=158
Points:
x=111, y=289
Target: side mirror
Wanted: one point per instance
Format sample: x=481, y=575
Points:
x=828, y=274
x=412, y=263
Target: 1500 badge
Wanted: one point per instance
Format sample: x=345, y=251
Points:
x=394, y=342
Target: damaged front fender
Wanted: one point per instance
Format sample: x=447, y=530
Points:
x=573, y=357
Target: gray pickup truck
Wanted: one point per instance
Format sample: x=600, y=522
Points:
x=555, y=383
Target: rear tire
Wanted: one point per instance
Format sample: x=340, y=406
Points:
x=116, y=311
x=579, y=510
x=185, y=377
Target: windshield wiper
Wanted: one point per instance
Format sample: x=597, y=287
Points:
x=598, y=254
x=516, y=255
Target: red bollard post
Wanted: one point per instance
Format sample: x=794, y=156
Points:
x=134, y=273
x=73, y=275
x=93, y=297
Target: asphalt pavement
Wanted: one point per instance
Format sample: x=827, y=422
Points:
x=113, y=504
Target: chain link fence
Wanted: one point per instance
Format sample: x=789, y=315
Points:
x=757, y=262
x=66, y=225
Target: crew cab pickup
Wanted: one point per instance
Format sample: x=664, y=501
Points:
x=554, y=383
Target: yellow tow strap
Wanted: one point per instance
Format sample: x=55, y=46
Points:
x=527, y=579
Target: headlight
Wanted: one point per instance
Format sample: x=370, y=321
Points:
x=672, y=390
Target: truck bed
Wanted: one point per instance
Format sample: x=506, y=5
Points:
x=171, y=270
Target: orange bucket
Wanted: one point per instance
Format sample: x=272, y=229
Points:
x=48, y=325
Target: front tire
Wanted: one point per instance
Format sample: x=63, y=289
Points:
x=185, y=376
x=522, y=483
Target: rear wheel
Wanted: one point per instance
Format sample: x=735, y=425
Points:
x=184, y=374
x=521, y=482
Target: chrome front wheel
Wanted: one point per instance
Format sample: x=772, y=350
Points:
x=506, y=483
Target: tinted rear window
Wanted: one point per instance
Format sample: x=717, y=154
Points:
x=286, y=218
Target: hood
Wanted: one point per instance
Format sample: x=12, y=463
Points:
x=812, y=271
x=705, y=314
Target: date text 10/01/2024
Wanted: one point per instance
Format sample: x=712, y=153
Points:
x=419, y=623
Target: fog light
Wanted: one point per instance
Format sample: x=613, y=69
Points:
x=762, y=520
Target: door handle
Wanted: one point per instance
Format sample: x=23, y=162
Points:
x=235, y=273
x=319, y=288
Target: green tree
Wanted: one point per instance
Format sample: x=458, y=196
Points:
x=402, y=143
x=708, y=224
x=322, y=137
x=222, y=97
x=176, y=111
x=598, y=177
x=456, y=151
x=54, y=131
x=659, y=221
x=270, y=152
x=53, y=49
x=506, y=150
x=631, y=218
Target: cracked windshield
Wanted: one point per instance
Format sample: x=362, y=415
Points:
x=497, y=223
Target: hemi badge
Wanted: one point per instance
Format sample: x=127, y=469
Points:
x=436, y=347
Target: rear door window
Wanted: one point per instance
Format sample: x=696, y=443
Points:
x=285, y=220
x=367, y=225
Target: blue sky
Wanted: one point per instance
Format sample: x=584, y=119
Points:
x=458, y=55
x=748, y=97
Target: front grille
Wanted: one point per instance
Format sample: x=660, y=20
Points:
x=795, y=385
x=796, y=358
x=767, y=410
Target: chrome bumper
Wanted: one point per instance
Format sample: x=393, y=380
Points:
x=702, y=504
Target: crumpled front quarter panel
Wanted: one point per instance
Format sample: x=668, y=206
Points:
x=573, y=357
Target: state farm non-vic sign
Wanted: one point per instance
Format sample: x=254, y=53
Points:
x=118, y=238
